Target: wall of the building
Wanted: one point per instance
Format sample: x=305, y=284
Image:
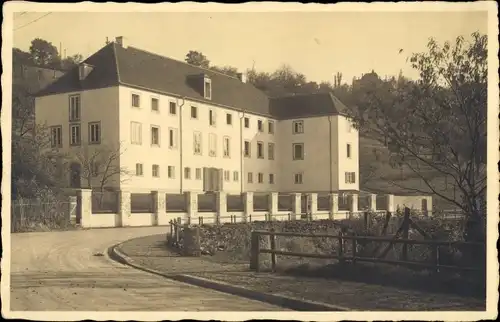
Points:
x=165, y=156
x=315, y=167
x=96, y=105
x=347, y=134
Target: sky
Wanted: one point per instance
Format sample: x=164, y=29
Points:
x=317, y=44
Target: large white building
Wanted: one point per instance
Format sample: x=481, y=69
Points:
x=173, y=122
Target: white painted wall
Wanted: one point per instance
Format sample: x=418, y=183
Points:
x=316, y=164
x=96, y=105
x=165, y=156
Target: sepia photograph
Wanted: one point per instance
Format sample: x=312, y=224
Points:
x=233, y=162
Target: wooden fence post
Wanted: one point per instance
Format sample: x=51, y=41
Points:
x=341, y=247
x=272, y=238
x=406, y=228
x=250, y=217
x=366, y=220
x=354, y=250
x=255, y=251
x=435, y=257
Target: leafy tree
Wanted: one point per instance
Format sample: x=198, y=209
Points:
x=196, y=58
x=71, y=61
x=436, y=126
x=43, y=53
x=228, y=70
x=32, y=170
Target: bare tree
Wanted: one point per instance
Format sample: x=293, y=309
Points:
x=100, y=165
x=436, y=126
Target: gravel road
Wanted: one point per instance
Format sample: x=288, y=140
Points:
x=58, y=271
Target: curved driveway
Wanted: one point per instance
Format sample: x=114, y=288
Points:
x=58, y=271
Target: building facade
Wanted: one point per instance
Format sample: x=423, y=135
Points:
x=162, y=124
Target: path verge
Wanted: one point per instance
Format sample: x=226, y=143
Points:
x=275, y=299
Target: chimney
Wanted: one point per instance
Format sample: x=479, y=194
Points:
x=121, y=42
x=242, y=77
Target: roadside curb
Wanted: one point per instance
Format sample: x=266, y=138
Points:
x=280, y=300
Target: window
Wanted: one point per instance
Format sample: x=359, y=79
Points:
x=271, y=178
x=270, y=126
x=155, y=135
x=229, y=119
x=250, y=177
x=270, y=151
x=56, y=136
x=260, y=150
x=208, y=88
x=298, y=127
x=172, y=108
x=212, y=144
x=194, y=112
x=247, y=122
x=211, y=117
x=235, y=176
x=138, y=169
x=197, y=143
x=247, y=151
x=298, y=151
x=260, y=126
x=136, y=102
x=156, y=170
x=171, y=172
x=155, y=104
x=227, y=175
x=135, y=133
x=298, y=178
x=187, y=173
x=75, y=134
x=350, y=177
x=172, y=138
x=197, y=173
x=227, y=147
x=260, y=177
x=95, y=132
x=348, y=150
x=74, y=108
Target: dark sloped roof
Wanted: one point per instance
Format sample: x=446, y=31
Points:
x=115, y=65
x=104, y=74
x=306, y=105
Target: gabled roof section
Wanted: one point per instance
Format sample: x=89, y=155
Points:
x=306, y=105
x=104, y=74
x=157, y=73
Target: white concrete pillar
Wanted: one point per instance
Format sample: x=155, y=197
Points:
x=160, y=209
x=221, y=205
x=296, y=205
x=72, y=209
x=192, y=206
x=353, y=207
x=334, y=205
x=247, y=204
x=273, y=203
x=373, y=202
x=85, y=209
x=124, y=207
x=390, y=203
x=313, y=203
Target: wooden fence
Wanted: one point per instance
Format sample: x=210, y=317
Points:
x=342, y=255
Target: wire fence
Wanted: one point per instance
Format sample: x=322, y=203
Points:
x=35, y=215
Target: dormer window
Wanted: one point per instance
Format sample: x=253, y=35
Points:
x=84, y=70
x=207, y=88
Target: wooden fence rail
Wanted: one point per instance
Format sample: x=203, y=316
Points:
x=340, y=255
